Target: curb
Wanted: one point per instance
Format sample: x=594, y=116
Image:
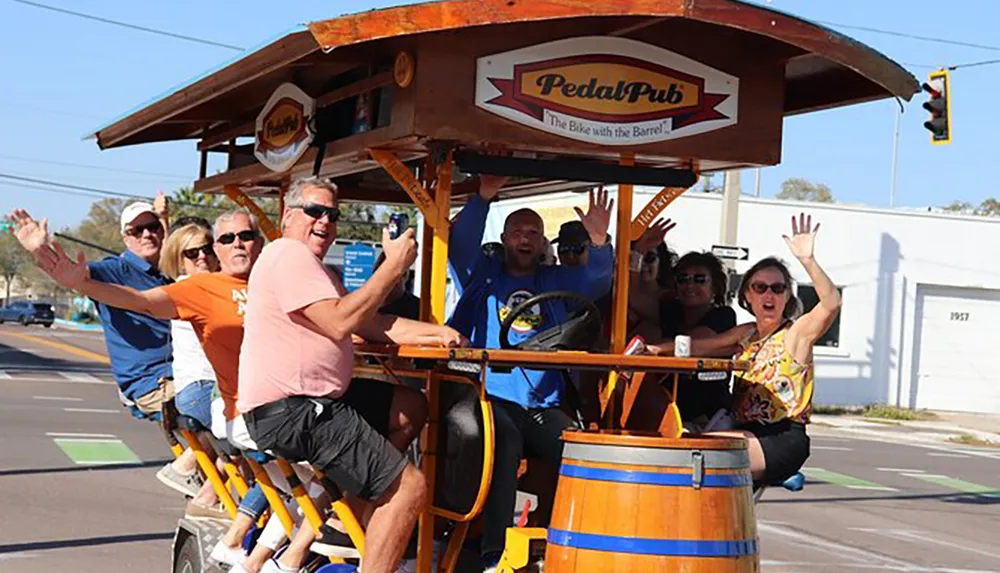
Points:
x=919, y=431
x=79, y=325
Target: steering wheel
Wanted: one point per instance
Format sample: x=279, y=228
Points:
x=580, y=332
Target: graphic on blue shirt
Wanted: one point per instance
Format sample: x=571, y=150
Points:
x=529, y=320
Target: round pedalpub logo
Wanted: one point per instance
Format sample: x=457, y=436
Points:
x=283, y=131
x=606, y=90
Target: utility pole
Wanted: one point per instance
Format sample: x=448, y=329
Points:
x=756, y=183
x=730, y=212
x=895, y=154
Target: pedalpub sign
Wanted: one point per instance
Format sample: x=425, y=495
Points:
x=605, y=90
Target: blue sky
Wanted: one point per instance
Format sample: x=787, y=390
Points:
x=64, y=76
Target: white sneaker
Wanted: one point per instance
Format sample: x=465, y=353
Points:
x=271, y=566
x=224, y=555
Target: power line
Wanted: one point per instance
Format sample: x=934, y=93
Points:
x=974, y=64
x=132, y=26
x=79, y=190
x=910, y=36
x=95, y=167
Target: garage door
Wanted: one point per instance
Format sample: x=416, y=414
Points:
x=957, y=349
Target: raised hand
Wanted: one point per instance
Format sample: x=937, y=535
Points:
x=653, y=235
x=32, y=235
x=67, y=272
x=489, y=186
x=597, y=219
x=161, y=205
x=803, y=239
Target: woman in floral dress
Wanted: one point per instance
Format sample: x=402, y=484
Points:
x=772, y=399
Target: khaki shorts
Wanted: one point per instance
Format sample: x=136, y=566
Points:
x=153, y=402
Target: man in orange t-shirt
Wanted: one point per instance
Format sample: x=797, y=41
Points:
x=213, y=303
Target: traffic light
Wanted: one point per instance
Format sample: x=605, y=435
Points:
x=939, y=105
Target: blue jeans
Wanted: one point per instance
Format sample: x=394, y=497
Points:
x=195, y=401
x=254, y=503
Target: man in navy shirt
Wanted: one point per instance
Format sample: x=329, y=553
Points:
x=138, y=345
x=525, y=402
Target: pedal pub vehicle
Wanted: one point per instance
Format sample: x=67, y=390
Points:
x=407, y=105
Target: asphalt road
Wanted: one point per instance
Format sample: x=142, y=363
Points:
x=78, y=492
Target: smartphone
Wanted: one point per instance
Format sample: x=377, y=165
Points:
x=398, y=223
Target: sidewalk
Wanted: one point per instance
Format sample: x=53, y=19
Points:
x=948, y=427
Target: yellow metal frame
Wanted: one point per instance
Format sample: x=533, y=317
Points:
x=946, y=77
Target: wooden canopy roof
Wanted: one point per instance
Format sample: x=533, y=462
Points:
x=821, y=69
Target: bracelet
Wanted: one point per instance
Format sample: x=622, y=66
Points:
x=634, y=261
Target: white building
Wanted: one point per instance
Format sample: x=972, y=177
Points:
x=921, y=291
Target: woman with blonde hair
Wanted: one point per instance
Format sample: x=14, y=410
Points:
x=188, y=250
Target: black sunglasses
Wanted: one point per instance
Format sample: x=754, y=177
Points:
x=776, y=288
x=245, y=236
x=699, y=279
x=153, y=227
x=650, y=257
x=193, y=252
x=317, y=211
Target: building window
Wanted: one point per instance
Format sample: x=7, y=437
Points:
x=807, y=294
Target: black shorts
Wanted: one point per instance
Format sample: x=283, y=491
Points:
x=786, y=449
x=345, y=437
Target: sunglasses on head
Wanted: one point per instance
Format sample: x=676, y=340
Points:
x=574, y=249
x=761, y=288
x=698, y=279
x=192, y=253
x=318, y=211
x=245, y=236
x=153, y=227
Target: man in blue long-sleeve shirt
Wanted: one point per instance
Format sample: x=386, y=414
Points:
x=525, y=402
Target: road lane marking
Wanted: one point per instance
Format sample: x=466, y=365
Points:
x=900, y=470
x=64, y=347
x=58, y=398
x=5, y=376
x=958, y=484
x=77, y=435
x=81, y=377
x=96, y=451
x=914, y=536
x=91, y=411
x=944, y=455
x=834, y=448
x=843, y=480
x=872, y=487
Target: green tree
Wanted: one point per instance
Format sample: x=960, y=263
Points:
x=101, y=226
x=14, y=260
x=798, y=189
x=989, y=207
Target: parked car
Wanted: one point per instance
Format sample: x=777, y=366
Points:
x=26, y=312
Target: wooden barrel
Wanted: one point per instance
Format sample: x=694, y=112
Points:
x=641, y=502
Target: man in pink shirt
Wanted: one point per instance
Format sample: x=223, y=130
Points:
x=295, y=372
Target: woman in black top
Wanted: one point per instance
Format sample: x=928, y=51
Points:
x=699, y=309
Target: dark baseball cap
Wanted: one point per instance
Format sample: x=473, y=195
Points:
x=572, y=233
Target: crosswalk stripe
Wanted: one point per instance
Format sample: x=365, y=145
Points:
x=82, y=377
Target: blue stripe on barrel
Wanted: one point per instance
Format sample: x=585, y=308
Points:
x=653, y=478
x=665, y=547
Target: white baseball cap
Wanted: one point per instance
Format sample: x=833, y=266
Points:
x=132, y=212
